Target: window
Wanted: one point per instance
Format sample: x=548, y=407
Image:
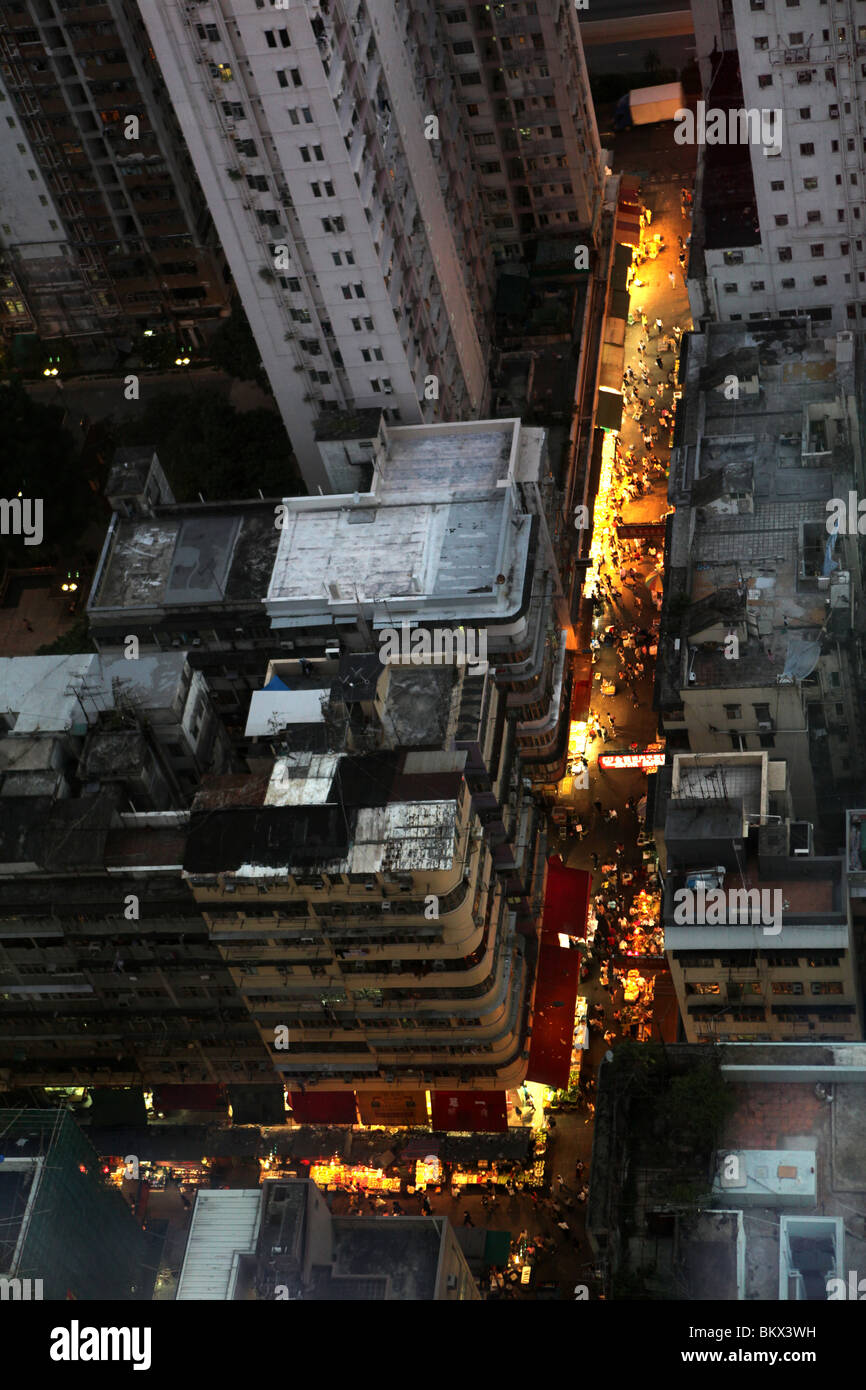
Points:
x=807, y=148
x=782, y=221
x=462, y=47
x=282, y=77
x=293, y=284
x=305, y=155
x=816, y=250
x=757, y=286
x=484, y=137
x=285, y=41
x=757, y=4
x=762, y=44
x=733, y=712
x=827, y=987
x=359, y=291
x=271, y=38
x=805, y=113
x=796, y=37
x=293, y=116
x=834, y=113
x=787, y=987
x=765, y=79
x=731, y=289
x=819, y=280
x=346, y=291
x=317, y=190
x=778, y=185
x=813, y=215
x=296, y=76
x=789, y=284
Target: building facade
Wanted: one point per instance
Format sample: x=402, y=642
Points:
x=103, y=227
x=346, y=151
x=802, y=249
x=758, y=929
x=761, y=645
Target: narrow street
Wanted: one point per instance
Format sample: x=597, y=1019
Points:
x=626, y=579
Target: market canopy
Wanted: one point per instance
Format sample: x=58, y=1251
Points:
x=323, y=1107
x=470, y=1110
x=556, y=984
x=566, y=900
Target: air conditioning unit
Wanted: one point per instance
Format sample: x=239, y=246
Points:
x=332, y=652
x=386, y=907
x=451, y=1281
x=765, y=723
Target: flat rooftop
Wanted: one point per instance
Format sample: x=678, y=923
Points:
x=750, y=481
x=442, y=526
x=187, y=557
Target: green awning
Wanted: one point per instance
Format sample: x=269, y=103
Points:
x=620, y=301
x=608, y=415
x=497, y=1248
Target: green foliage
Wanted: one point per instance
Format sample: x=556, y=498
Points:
x=37, y=459
x=75, y=639
x=207, y=446
x=697, y=1104
x=233, y=348
x=159, y=351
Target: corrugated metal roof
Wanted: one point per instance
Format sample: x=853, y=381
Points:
x=224, y=1223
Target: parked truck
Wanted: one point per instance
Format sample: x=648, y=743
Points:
x=644, y=105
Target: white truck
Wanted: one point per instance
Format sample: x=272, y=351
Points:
x=644, y=105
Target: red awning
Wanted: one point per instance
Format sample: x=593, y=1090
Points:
x=323, y=1107
x=566, y=900
x=627, y=227
x=470, y=1110
x=189, y=1098
x=550, y=1046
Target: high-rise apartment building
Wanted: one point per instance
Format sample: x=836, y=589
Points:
x=103, y=228
x=359, y=910
x=451, y=533
x=365, y=165
x=802, y=247
x=760, y=644
x=758, y=929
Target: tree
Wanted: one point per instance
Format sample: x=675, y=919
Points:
x=208, y=447
x=38, y=460
x=233, y=348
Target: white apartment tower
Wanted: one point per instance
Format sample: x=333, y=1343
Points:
x=806, y=58
x=346, y=151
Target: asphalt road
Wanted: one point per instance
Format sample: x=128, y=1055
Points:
x=101, y=397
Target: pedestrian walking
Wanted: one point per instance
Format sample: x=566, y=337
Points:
x=594, y=858
x=672, y=277
x=467, y=1219
x=659, y=325
x=660, y=364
